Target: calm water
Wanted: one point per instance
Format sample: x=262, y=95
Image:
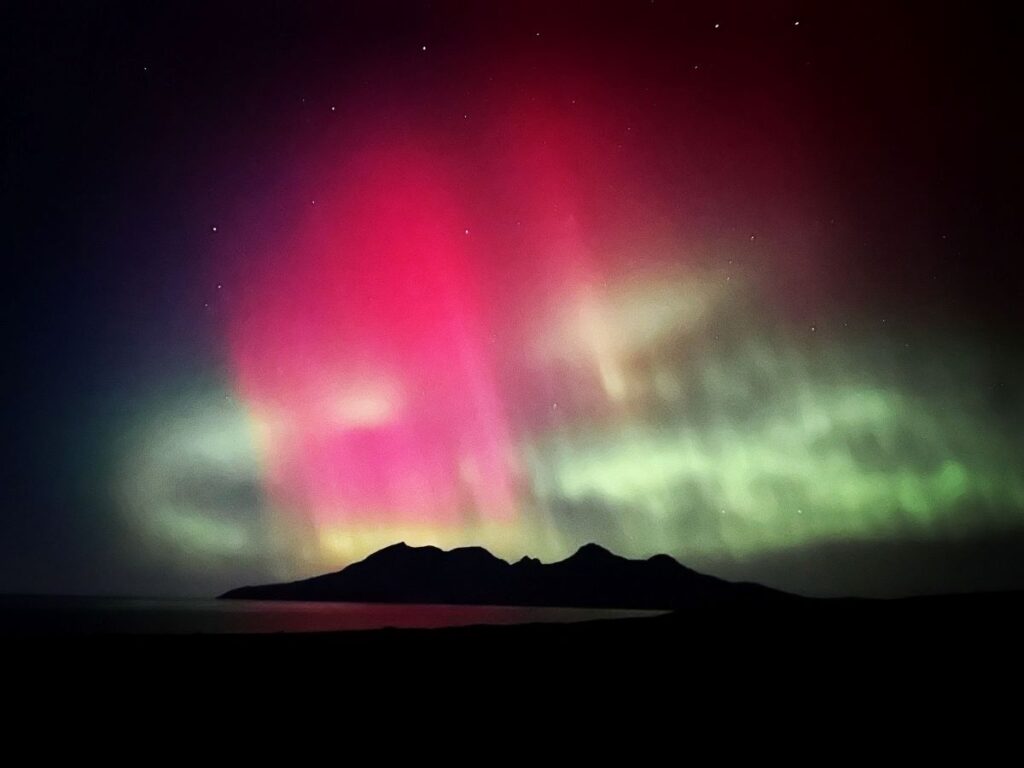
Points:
x=91, y=615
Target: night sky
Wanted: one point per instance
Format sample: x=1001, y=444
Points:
x=286, y=283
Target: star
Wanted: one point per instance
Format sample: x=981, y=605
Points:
x=423, y=48
x=213, y=229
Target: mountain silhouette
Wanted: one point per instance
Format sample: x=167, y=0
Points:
x=592, y=577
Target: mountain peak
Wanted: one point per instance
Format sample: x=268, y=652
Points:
x=401, y=550
x=593, y=551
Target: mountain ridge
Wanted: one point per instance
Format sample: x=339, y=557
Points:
x=591, y=577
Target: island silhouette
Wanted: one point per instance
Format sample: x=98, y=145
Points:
x=592, y=577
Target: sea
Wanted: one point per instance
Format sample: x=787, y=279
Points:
x=117, y=615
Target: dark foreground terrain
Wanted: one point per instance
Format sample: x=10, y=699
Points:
x=971, y=634
x=729, y=680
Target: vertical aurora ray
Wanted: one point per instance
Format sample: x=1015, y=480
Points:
x=367, y=365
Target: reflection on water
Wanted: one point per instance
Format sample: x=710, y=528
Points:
x=89, y=615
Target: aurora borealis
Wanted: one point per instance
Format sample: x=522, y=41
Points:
x=696, y=280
